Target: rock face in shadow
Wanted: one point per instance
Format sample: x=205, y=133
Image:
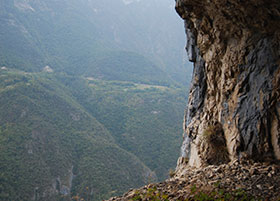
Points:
x=235, y=48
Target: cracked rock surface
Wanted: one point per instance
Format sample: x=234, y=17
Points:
x=235, y=47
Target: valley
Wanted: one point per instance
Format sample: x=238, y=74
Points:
x=66, y=136
x=92, y=96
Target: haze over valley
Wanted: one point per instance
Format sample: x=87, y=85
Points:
x=92, y=96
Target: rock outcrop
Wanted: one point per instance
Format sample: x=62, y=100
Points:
x=235, y=47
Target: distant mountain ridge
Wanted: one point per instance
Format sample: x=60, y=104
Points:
x=63, y=33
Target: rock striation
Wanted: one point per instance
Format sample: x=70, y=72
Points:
x=235, y=48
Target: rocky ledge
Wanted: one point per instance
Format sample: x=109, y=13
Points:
x=238, y=180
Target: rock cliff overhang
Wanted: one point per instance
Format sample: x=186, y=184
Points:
x=235, y=90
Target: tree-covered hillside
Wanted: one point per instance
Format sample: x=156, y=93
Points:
x=50, y=143
x=143, y=119
x=65, y=135
x=91, y=97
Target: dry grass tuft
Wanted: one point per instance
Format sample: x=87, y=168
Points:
x=212, y=146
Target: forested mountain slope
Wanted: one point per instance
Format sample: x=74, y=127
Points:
x=64, y=135
x=50, y=145
x=91, y=97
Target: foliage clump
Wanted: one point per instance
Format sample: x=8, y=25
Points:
x=218, y=194
x=194, y=193
x=152, y=194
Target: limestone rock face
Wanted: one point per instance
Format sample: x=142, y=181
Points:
x=235, y=47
